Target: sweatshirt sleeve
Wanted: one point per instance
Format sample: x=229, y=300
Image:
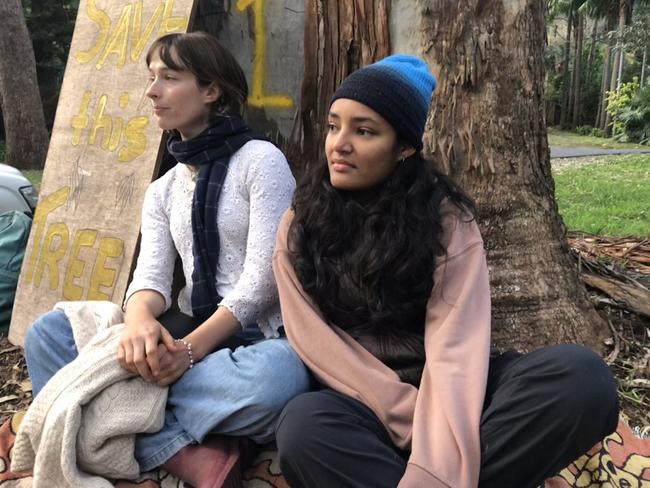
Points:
x=440, y=422
x=446, y=444
x=334, y=357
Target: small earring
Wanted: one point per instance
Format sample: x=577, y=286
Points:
x=402, y=160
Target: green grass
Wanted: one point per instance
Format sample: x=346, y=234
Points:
x=561, y=138
x=610, y=198
x=34, y=176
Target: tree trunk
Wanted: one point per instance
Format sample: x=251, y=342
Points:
x=340, y=37
x=643, y=64
x=601, y=119
x=566, y=86
x=22, y=110
x=619, y=73
x=607, y=125
x=604, y=83
x=615, y=81
x=487, y=130
x=592, y=48
x=590, y=66
x=577, y=71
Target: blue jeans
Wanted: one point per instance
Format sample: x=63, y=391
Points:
x=239, y=393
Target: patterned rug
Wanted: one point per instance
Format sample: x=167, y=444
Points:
x=622, y=460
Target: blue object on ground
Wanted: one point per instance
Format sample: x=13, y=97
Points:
x=14, y=232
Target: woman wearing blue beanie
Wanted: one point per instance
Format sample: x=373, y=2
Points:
x=385, y=296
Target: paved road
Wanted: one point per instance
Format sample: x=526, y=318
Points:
x=578, y=152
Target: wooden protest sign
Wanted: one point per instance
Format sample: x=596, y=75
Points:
x=102, y=156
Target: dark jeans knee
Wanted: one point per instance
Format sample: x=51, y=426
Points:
x=588, y=380
x=296, y=430
x=546, y=408
x=328, y=439
x=587, y=388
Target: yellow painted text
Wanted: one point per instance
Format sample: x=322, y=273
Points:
x=126, y=137
x=58, y=263
x=125, y=37
x=258, y=97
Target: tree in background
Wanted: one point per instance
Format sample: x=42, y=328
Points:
x=606, y=10
x=50, y=26
x=487, y=130
x=578, y=77
x=617, y=52
x=340, y=37
x=567, y=7
x=636, y=40
x=615, y=77
x=22, y=110
x=629, y=105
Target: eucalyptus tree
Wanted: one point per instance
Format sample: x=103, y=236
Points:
x=577, y=13
x=486, y=129
x=50, y=26
x=567, y=8
x=26, y=136
x=636, y=37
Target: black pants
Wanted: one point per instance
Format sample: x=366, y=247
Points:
x=542, y=411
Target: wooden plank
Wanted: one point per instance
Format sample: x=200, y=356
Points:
x=103, y=153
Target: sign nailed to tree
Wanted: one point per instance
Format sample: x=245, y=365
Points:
x=102, y=156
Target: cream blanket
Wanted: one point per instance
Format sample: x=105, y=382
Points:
x=81, y=427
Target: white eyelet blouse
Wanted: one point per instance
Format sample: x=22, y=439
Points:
x=257, y=190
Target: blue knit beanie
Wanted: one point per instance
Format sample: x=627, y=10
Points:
x=398, y=88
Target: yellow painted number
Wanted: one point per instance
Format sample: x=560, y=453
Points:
x=258, y=98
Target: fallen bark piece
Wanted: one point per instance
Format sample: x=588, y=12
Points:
x=637, y=298
x=630, y=252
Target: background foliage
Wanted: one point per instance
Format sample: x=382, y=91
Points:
x=50, y=25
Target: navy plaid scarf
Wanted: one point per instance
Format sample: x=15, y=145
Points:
x=211, y=151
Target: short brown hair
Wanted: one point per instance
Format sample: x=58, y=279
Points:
x=203, y=55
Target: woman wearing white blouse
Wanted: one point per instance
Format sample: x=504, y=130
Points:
x=218, y=209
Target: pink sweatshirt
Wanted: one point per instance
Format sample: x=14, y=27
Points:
x=439, y=422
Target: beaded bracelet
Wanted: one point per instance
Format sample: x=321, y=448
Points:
x=188, y=346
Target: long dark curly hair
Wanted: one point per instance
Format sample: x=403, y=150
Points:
x=367, y=258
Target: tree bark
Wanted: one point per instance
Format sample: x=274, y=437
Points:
x=614, y=81
x=487, y=130
x=601, y=119
x=592, y=48
x=566, y=86
x=619, y=73
x=643, y=65
x=577, y=71
x=26, y=135
x=340, y=37
x=604, y=84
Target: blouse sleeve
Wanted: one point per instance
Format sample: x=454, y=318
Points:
x=157, y=256
x=270, y=186
x=446, y=443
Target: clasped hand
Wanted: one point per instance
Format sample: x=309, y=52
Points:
x=148, y=349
